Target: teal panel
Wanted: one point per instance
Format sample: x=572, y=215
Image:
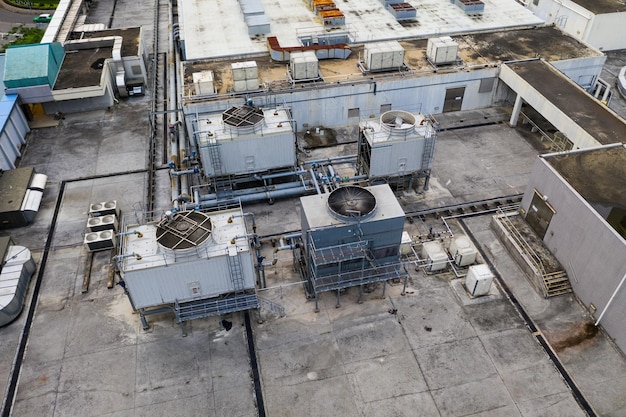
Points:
x=31, y=65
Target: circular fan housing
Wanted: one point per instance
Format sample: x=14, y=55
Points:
x=352, y=203
x=397, y=123
x=186, y=230
x=243, y=119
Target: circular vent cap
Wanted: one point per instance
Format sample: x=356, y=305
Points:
x=351, y=203
x=183, y=230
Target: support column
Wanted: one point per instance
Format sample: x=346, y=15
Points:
x=517, y=107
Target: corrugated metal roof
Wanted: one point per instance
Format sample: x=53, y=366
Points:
x=30, y=65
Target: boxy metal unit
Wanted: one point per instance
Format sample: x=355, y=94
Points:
x=196, y=264
x=245, y=140
x=397, y=148
x=351, y=237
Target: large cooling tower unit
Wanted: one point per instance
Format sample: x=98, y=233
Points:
x=351, y=237
x=198, y=264
x=399, y=145
x=245, y=140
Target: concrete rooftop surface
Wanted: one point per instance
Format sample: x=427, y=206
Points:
x=430, y=352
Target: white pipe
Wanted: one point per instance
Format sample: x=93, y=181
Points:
x=606, y=307
x=314, y=179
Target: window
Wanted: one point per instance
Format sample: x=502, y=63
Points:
x=385, y=108
x=486, y=85
x=353, y=113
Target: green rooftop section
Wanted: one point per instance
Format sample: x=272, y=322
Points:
x=31, y=65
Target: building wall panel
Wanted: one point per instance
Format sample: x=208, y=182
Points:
x=589, y=249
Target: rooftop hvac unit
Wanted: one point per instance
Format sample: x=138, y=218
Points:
x=304, y=65
x=98, y=224
x=442, y=50
x=187, y=255
x=478, y=280
x=462, y=251
x=97, y=241
x=399, y=144
x=244, y=70
x=381, y=56
x=436, y=258
x=104, y=208
x=352, y=236
x=203, y=83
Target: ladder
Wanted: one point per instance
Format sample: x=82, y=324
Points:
x=236, y=271
x=429, y=150
x=222, y=184
x=216, y=157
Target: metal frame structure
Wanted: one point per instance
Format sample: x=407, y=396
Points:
x=367, y=273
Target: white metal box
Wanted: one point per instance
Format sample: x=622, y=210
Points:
x=384, y=55
x=100, y=223
x=405, y=243
x=435, y=257
x=462, y=251
x=244, y=70
x=442, y=50
x=203, y=83
x=478, y=280
x=95, y=241
x=304, y=65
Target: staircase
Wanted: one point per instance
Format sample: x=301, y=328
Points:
x=272, y=306
x=556, y=283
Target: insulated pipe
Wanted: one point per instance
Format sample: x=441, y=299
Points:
x=255, y=190
x=248, y=198
x=606, y=307
x=279, y=175
x=230, y=219
x=246, y=236
x=332, y=160
x=194, y=170
x=314, y=179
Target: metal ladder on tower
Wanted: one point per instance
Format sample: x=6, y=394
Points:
x=223, y=186
x=236, y=271
x=429, y=150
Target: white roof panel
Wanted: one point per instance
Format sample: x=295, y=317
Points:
x=218, y=29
